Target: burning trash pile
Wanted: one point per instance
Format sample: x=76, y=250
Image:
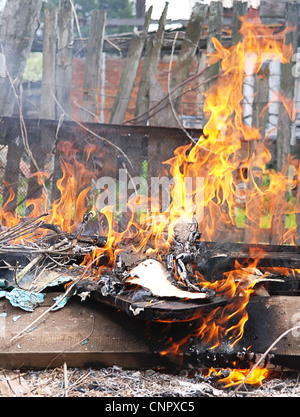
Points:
x=161, y=264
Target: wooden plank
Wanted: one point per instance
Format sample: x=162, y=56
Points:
x=80, y=334
x=129, y=73
x=268, y=318
x=93, y=65
x=148, y=77
x=215, y=22
x=18, y=25
x=64, y=59
x=283, y=141
x=166, y=111
x=239, y=9
x=253, y=202
x=48, y=106
x=188, y=49
x=15, y=150
x=287, y=87
x=42, y=142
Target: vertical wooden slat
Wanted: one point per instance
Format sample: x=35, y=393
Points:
x=287, y=86
x=11, y=175
x=283, y=141
x=151, y=59
x=188, y=49
x=63, y=77
x=93, y=65
x=41, y=144
x=48, y=106
x=253, y=202
x=165, y=116
x=215, y=21
x=129, y=73
x=64, y=58
x=19, y=22
x=18, y=25
x=239, y=9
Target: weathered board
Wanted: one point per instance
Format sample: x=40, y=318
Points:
x=80, y=334
x=269, y=317
x=87, y=333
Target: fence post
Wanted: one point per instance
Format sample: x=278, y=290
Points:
x=93, y=65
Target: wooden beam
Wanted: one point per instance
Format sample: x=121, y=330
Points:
x=93, y=65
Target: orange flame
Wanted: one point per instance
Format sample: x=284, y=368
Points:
x=236, y=376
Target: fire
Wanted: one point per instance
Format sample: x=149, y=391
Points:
x=237, y=376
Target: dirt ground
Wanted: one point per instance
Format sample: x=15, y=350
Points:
x=117, y=382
